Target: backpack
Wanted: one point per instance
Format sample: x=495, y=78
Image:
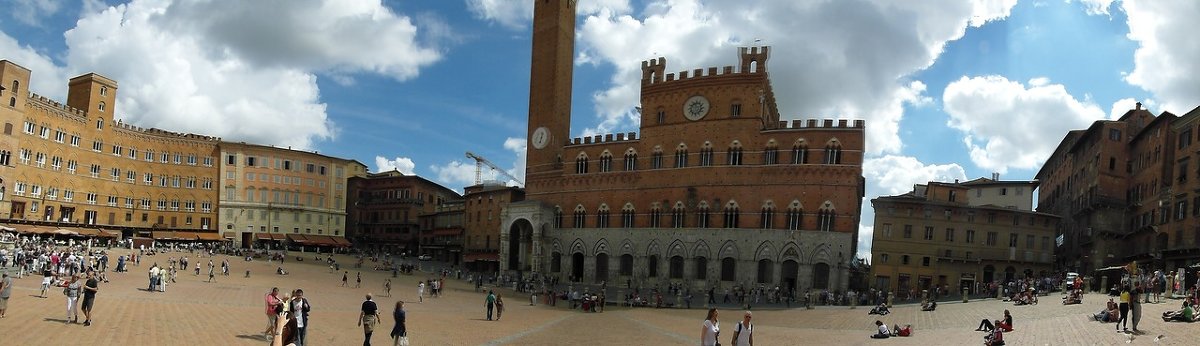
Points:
x=738, y=331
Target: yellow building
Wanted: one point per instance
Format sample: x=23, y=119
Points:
x=960, y=235
x=271, y=193
x=72, y=164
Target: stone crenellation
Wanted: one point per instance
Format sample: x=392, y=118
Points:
x=55, y=105
x=754, y=61
x=605, y=138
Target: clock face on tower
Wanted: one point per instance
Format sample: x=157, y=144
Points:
x=695, y=108
x=541, y=136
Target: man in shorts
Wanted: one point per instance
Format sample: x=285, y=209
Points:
x=271, y=300
x=47, y=278
x=89, y=296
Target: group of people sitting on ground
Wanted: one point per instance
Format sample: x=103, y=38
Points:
x=1109, y=314
x=880, y=310
x=280, y=271
x=1074, y=297
x=929, y=305
x=1187, y=314
x=884, y=333
x=1029, y=297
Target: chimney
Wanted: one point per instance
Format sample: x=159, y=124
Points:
x=996, y=176
x=1137, y=106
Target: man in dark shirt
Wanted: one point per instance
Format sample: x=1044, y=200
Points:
x=367, y=319
x=89, y=296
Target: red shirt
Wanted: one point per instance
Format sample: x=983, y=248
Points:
x=271, y=302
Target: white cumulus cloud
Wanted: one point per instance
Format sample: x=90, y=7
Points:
x=1008, y=125
x=1165, y=62
x=403, y=164
x=237, y=70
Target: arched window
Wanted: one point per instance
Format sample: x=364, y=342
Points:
x=826, y=217
x=660, y=116
x=581, y=163
x=100, y=106
x=676, y=270
x=795, y=216
x=16, y=87
x=766, y=217
x=833, y=152
x=103, y=91
x=728, y=269
x=627, y=214
x=558, y=217
x=681, y=156
x=656, y=159
x=580, y=217
x=677, y=215
x=655, y=216
x=771, y=153
x=706, y=154
x=12, y=101
x=701, y=268
x=602, y=216
x=734, y=154
x=735, y=108
x=800, y=152
x=606, y=161
x=702, y=215
x=731, y=215
x=630, y=160
x=555, y=262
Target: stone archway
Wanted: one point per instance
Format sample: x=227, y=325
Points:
x=577, y=266
x=520, y=245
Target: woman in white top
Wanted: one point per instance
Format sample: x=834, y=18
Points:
x=711, y=329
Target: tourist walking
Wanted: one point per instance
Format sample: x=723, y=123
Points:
x=1135, y=304
x=5, y=292
x=358, y=280
x=499, y=306
x=743, y=333
x=47, y=278
x=710, y=329
x=271, y=300
x=300, y=308
x=72, y=293
x=490, y=301
x=211, y=278
x=399, y=331
x=1123, y=322
x=89, y=296
x=367, y=319
x=387, y=287
x=420, y=292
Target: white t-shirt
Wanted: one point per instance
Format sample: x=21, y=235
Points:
x=743, y=333
x=883, y=329
x=710, y=335
x=297, y=310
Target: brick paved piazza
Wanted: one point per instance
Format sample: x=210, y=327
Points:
x=230, y=312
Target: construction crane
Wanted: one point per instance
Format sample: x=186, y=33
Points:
x=480, y=161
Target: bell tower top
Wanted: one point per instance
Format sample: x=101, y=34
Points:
x=550, y=85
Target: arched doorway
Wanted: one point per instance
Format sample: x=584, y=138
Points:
x=602, y=267
x=728, y=269
x=626, y=265
x=820, y=276
x=520, y=249
x=765, y=269
x=652, y=266
x=555, y=262
x=989, y=274
x=1010, y=273
x=577, y=266
x=789, y=273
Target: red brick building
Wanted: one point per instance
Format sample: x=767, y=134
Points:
x=483, y=204
x=716, y=190
x=384, y=210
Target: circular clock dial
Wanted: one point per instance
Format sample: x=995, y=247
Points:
x=540, y=138
x=695, y=108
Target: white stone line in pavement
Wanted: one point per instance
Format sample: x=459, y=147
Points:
x=514, y=337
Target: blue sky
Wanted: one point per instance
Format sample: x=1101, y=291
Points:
x=950, y=90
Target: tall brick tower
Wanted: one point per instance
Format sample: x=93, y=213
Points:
x=550, y=86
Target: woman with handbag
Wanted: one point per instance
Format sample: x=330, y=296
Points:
x=399, y=331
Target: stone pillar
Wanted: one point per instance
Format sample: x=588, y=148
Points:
x=965, y=294
x=853, y=300
x=924, y=297
x=890, y=297
x=706, y=298
x=808, y=300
